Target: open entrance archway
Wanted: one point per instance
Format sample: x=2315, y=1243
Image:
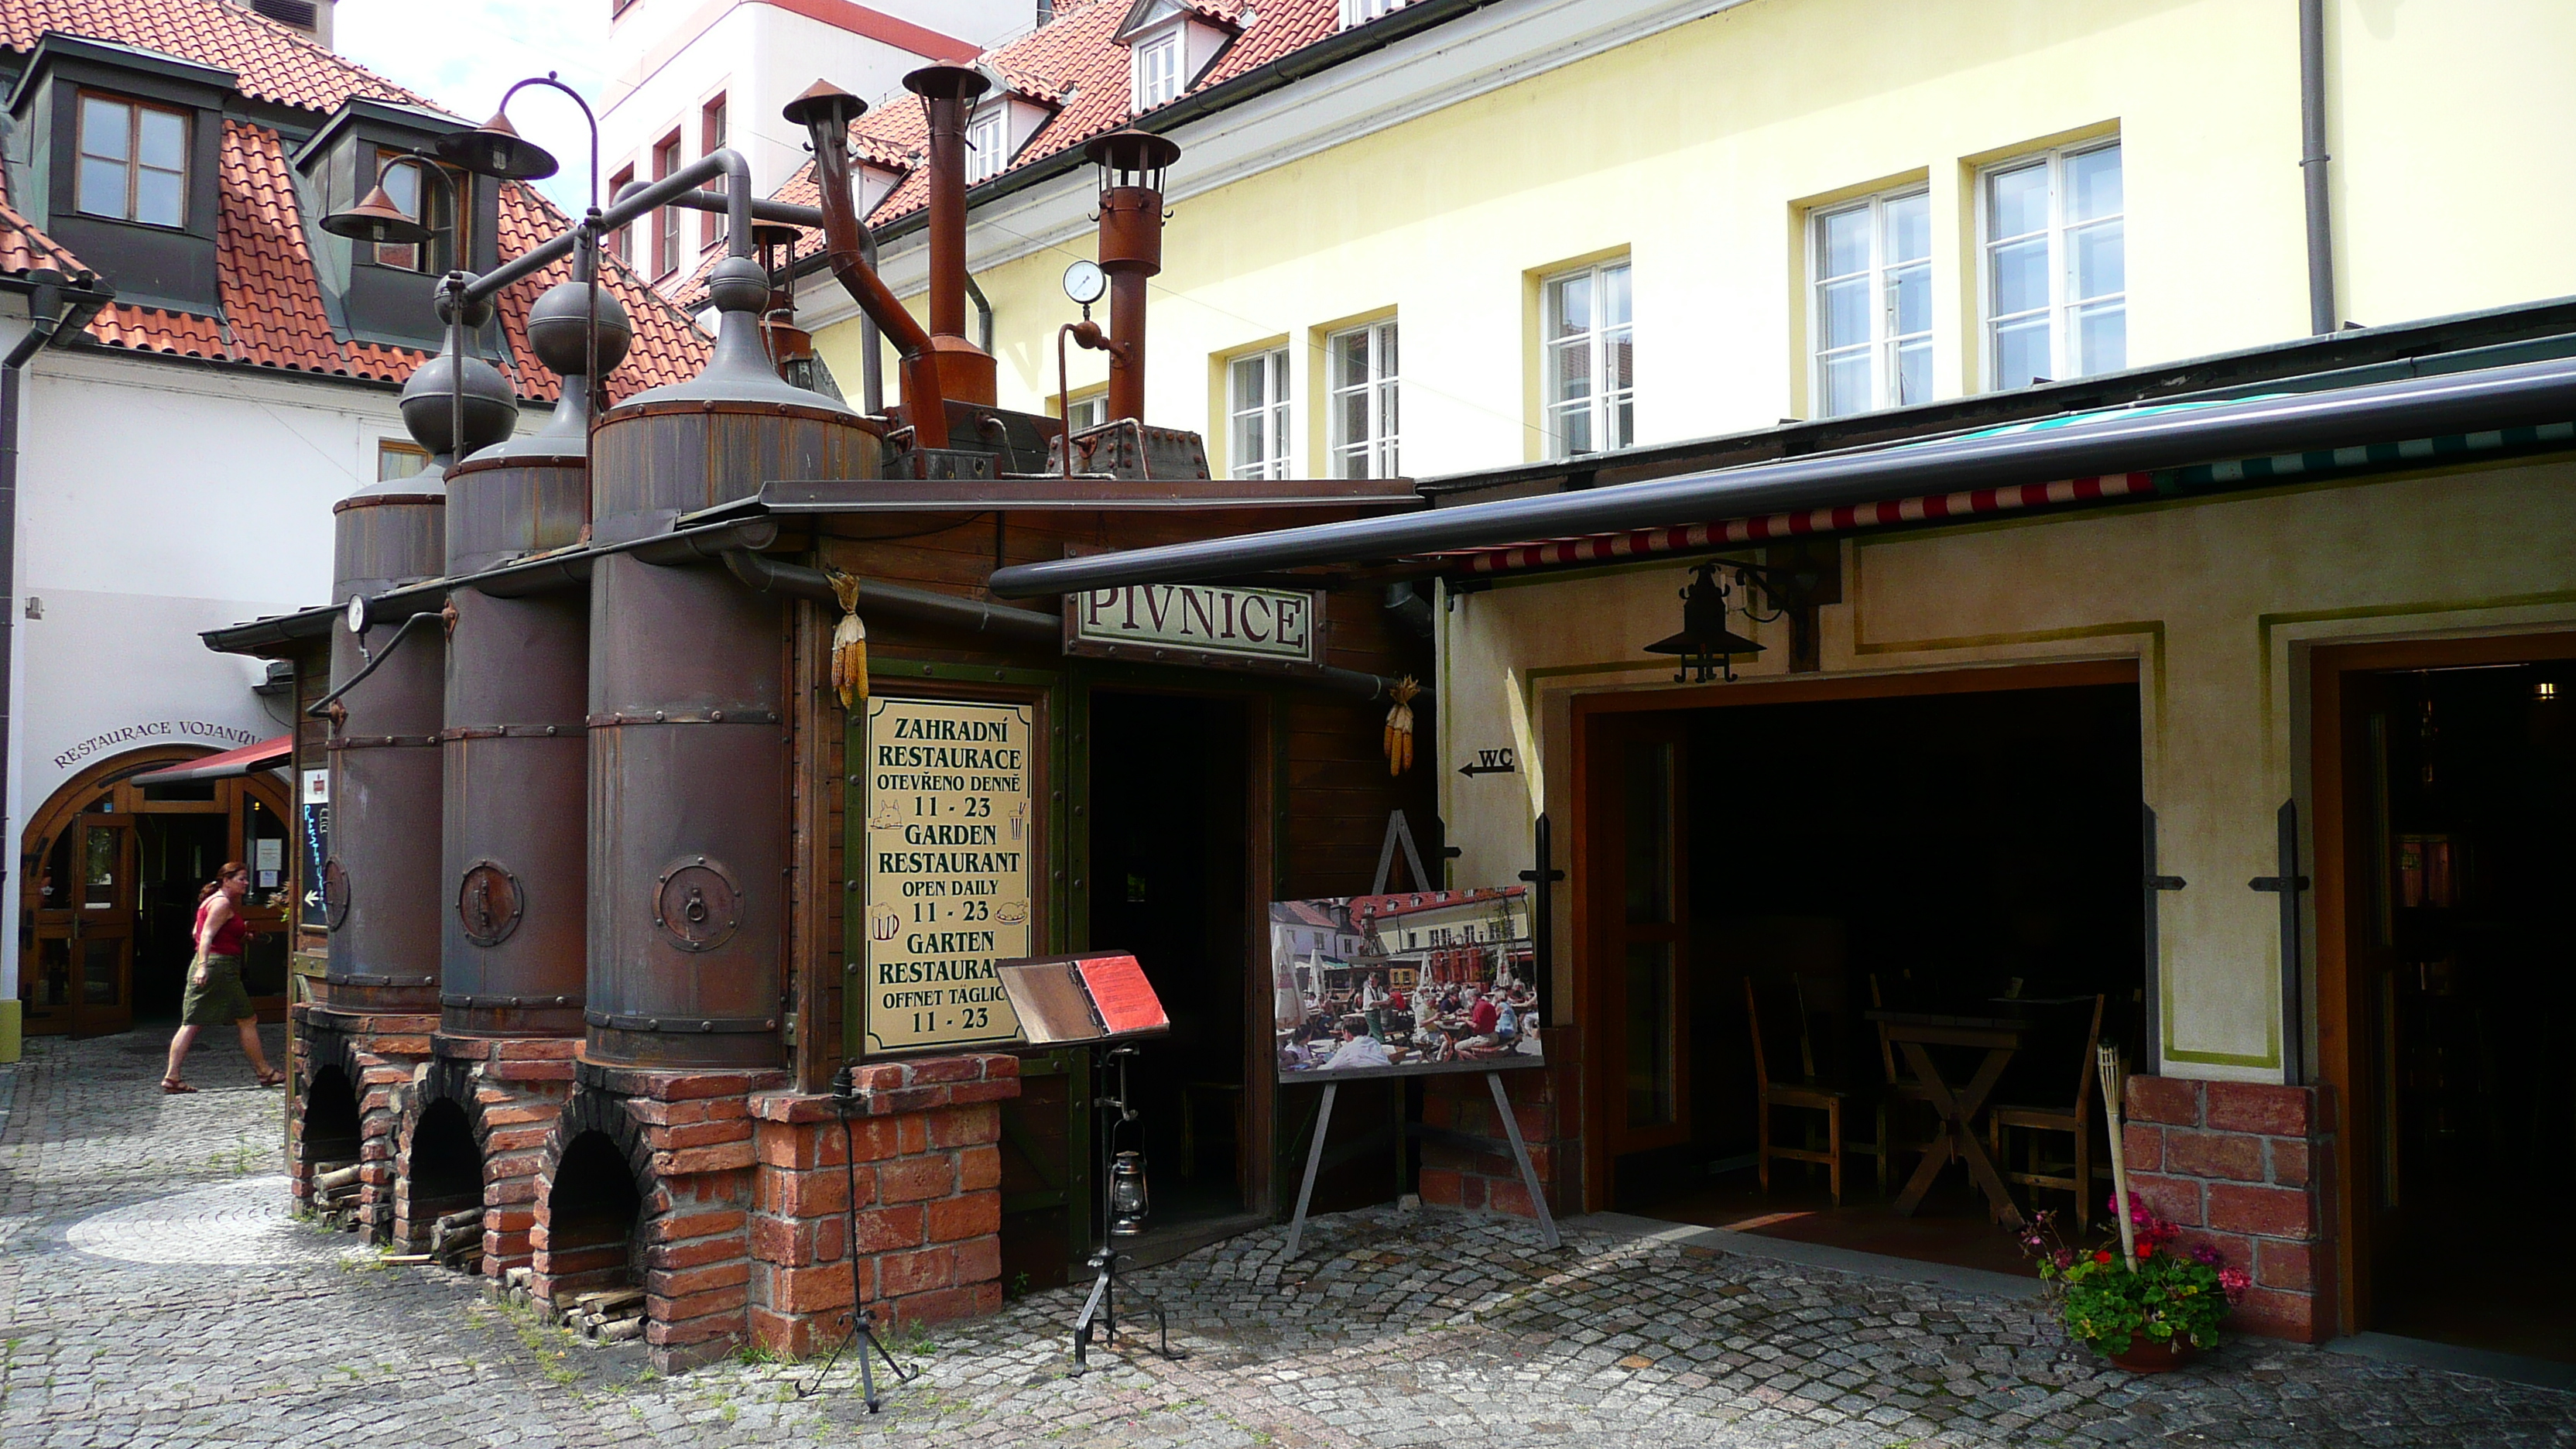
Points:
x=108, y=891
x=591, y=1217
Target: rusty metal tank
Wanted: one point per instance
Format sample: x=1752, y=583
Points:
x=688, y=743
x=515, y=864
x=380, y=884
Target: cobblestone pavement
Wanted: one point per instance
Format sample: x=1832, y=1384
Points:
x=155, y=1293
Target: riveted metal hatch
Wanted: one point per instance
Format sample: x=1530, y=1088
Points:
x=489, y=903
x=335, y=894
x=697, y=904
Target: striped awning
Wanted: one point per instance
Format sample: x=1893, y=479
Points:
x=1976, y=502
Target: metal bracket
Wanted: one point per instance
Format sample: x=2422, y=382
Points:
x=2273, y=883
x=2168, y=883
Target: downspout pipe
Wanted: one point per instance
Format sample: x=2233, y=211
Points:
x=2499, y=397
x=826, y=114
x=2312, y=166
x=44, y=318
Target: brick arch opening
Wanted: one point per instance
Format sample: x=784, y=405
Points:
x=444, y=1172
x=331, y=1130
x=595, y=1199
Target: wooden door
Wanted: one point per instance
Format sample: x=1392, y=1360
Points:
x=2370, y=979
x=1640, y=913
x=101, y=926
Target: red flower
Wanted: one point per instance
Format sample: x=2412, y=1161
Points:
x=2102, y=1257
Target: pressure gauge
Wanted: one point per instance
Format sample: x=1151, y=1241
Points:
x=358, y=614
x=1085, y=283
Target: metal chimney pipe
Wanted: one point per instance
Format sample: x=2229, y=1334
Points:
x=826, y=112
x=948, y=93
x=1131, y=251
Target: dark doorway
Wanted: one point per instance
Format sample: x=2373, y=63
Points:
x=1967, y=853
x=1170, y=858
x=2458, y=854
x=179, y=854
x=330, y=1119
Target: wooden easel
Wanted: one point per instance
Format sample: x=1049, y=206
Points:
x=1399, y=833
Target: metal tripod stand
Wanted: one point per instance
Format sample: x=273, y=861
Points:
x=1100, y=1309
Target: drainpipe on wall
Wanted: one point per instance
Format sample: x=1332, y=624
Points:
x=2312, y=165
x=45, y=316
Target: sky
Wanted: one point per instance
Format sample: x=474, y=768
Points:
x=462, y=54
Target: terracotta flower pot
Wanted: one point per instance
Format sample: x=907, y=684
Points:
x=2150, y=1356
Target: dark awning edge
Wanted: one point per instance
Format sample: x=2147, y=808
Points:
x=2525, y=395
x=227, y=765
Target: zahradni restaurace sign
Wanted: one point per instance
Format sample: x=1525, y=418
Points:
x=1276, y=629
x=949, y=824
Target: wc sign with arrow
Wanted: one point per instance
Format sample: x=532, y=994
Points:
x=1492, y=762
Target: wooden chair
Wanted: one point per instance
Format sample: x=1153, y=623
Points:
x=2075, y=1120
x=1898, y=1086
x=1807, y=1094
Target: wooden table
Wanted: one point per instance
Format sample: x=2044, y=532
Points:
x=1914, y=1033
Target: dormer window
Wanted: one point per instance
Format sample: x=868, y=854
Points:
x=988, y=143
x=133, y=161
x=1170, y=45
x=1361, y=12
x=1158, y=69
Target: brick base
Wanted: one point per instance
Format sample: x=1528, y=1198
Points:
x=377, y=1054
x=511, y=1090
x=2242, y=1167
x=686, y=1140
x=920, y=1143
x=1467, y=1159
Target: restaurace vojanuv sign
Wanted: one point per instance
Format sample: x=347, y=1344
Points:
x=1247, y=628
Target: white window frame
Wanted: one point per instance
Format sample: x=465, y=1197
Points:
x=1152, y=85
x=1361, y=12
x=1274, y=415
x=2063, y=307
x=1373, y=454
x=1091, y=409
x=1601, y=402
x=1885, y=345
x=988, y=142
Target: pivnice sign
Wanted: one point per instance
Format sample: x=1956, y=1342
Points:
x=1270, y=630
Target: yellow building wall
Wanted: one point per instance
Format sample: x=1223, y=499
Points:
x=2215, y=600
x=1697, y=153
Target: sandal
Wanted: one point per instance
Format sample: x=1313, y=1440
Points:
x=272, y=1079
x=172, y=1086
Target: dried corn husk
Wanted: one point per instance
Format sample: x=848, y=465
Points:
x=1397, y=739
x=849, y=642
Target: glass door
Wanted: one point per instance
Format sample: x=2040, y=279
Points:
x=99, y=941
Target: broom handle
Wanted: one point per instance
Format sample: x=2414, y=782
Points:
x=2107, y=1059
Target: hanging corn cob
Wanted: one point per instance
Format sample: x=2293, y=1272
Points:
x=849, y=642
x=1398, y=736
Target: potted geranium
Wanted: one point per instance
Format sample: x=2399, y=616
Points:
x=2148, y=1314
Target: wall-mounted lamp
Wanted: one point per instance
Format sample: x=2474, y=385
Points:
x=1707, y=648
x=2545, y=692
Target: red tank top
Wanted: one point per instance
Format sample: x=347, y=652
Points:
x=229, y=935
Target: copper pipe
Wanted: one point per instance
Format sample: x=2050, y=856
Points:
x=1131, y=165
x=1086, y=332
x=826, y=115
x=948, y=94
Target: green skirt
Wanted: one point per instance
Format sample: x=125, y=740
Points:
x=222, y=1000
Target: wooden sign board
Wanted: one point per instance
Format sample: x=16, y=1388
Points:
x=1277, y=631
x=1083, y=998
x=951, y=818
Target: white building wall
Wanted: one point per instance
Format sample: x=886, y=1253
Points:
x=157, y=500
x=669, y=58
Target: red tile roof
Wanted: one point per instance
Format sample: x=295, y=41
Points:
x=1075, y=60
x=271, y=308
x=272, y=62
x=28, y=252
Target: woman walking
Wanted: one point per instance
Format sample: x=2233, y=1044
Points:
x=215, y=995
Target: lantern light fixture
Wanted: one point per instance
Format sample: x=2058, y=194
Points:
x=376, y=219
x=1132, y=158
x=1706, y=647
x=1128, y=1199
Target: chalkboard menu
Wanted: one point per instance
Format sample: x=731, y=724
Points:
x=951, y=817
